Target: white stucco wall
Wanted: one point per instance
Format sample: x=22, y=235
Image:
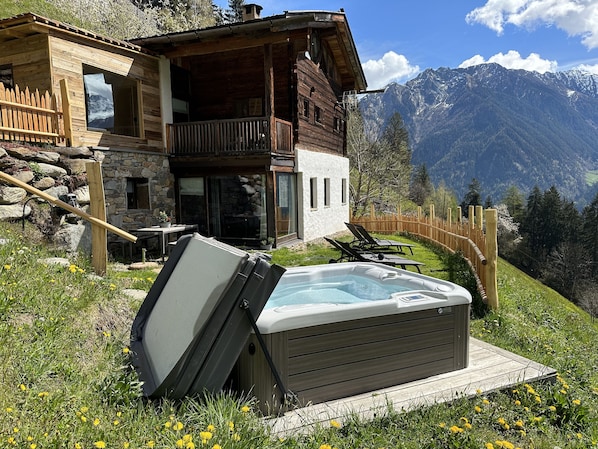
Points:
x=323, y=220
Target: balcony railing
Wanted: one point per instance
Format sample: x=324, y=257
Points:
x=236, y=137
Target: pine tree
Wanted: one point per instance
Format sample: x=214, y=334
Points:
x=473, y=197
x=421, y=186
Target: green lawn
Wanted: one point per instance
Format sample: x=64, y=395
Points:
x=65, y=380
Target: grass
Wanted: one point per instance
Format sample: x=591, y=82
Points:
x=65, y=380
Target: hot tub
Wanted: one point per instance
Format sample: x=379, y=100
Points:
x=342, y=329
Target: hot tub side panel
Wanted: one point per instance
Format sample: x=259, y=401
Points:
x=325, y=362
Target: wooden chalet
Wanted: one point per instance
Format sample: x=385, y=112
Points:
x=249, y=118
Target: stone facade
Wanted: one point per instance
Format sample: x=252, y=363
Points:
x=60, y=171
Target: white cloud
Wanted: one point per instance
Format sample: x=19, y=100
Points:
x=575, y=17
x=588, y=68
x=513, y=60
x=391, y=67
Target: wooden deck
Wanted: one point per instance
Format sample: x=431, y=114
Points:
x=490, y=368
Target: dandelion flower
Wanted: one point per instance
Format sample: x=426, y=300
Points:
x=205, y=436
x=126, y=350
x=245, y=409
x=178, y=426
x=335, y=424
x=99, y=444
x=216, y=446
x=7, y=267
x=96, y=422
x=211, y=428
x=477, y=409
x=325, y=446
x=552, y=408
x=576, y=402
x=231, y=426
x=151, y=444
x=22, y=387
x=236, y=437
x=456, y=429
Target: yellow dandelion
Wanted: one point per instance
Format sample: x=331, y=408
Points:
x=78, y=446
x=73, y=268
x=216, y=446
x=126, y=445
x=442, y=425
x=468, y=426
x=538, y=399
x=456, y=429
x=335, y=424
x=116, y=422
x=191, y=445
x=231, y=426
x=236, y=437
x=180, y=443
x=9, y=409
x=478, y=409
x=178, y=426
x=96, y=422
x=576, y=402
x=12, y=441
x=187, y=438
x=43, y=394
x=325, y=446
x=579, y=436
x=478, y=391
x=22, y=387
x=84, y=409
x=32, y=446
x=517, y=402
x=205, y=435
x=126, y=350
x=112, y=287
x=552, y=408
x=7, y=266
x=245, y=409
x=100, y=444
x=168, y=424
x=563, y=391
x=151, y=444
x=83, y=418
x=486, y=402
x=519, y=424
x=211, y=428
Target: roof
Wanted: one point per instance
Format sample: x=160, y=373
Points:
x=262, y=30
x=28, y=24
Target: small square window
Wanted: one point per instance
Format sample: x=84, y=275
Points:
x=6, y=76
x=313, y=193
x=138, y=193
x=306, y=108
x=326, y=192
x=317, y=114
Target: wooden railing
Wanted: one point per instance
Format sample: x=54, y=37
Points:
x=474, y=238
x=229, y=137
x=30, y=117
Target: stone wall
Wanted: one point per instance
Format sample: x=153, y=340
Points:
x=60, y=172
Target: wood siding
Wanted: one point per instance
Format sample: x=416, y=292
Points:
x=30, y=61
x=68, y=58
x=326, y=362
x=313, y=86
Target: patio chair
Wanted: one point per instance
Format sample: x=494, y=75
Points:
x=350, y=254
x=365, y=240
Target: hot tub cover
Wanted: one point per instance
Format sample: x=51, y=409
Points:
x=193, y=323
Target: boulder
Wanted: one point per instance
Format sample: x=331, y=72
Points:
x=74, y=237
x=13, y=212
x=12, y=195
x=52, y=170
x=45, y=183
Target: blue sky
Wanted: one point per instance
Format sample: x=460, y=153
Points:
x=397, y=39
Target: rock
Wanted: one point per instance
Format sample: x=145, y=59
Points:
x=52, y=170
x=13, y=212
x=23, y=153
x=75, y=166
x=12, y=195
x=57, y=191
x=3, y=152
x=25, y=176
x=74, y=237
x=75, y=152
x=56, y=261
x=143, y=265
x=47, y=156
x=82, y=194
x=45, y=183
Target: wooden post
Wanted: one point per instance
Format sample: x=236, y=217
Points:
x=471, y=210
x=99, y=242
x=479, y=213
x=67, y=114
x=269, y=95
x=491, y=258
x=419, y=219
x=432, y=234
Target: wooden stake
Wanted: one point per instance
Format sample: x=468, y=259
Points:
x=99, y=243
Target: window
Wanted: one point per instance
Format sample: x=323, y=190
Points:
x=138, y=193
x=326, y=192
x=6, y=76
x=111, y=102
x=317, y=115
x=344, y=191
x=313, y=193
x=337, y=124
x=306, y=108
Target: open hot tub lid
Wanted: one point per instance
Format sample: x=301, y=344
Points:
x=193, y=323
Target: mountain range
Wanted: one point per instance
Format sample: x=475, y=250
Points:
x=503, y=127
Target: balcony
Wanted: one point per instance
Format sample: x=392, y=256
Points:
x=236, y=137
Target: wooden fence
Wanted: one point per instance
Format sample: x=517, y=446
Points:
x=30, y=116
x=474, y=238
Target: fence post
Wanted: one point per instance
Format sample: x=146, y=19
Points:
x=491, y=258
x=419, y=219
x=67, y=114
x=99, y=245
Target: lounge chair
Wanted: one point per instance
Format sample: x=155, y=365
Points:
x=350, y=254
x=363, y=239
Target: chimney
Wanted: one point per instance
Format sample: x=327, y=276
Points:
x=251, y=12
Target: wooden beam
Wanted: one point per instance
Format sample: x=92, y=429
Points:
x=17, y=182
x=224, y=44
x=67, y=114
x=99, y=243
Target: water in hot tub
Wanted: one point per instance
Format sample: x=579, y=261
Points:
x=340, y=289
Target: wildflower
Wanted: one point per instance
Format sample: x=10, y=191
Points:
x=112, y=287
x=116, y=422
x=477, y=409
x=456, y=429
x=478, y=391
x=73, y=268
x=126, y=445
x=99, y=444
x=325, y=446
x=486, y=402
x=335, y=424
x=576, y=402
x=216, y=446
x=245, y=409
x=442, y=425
x=211, y=428
x=231, y=426
x=151, y=444
x=12, y=441
x=236, y=437
x=517, y=402
x=522, y=433
x=22, y=387
x=205, y=436
x=519, y=424
x=9, y=409
x=168, y=424
x=489, y=446
x=465, y=420
x=96, y=422
x=538, y=399
x=83, y=418
x=178, y=426
x=468, y=426
x=552, y=408
x=43, y=394
x=78, y=446
x=84, y=409
x=126, y=350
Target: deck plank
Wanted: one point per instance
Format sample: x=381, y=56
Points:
x=490, y=368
